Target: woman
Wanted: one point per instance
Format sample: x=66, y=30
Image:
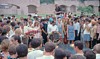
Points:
x=4, y=47
x=59, y=54
x=37, y=30
x=65, y=22
x=70, y=32
x=60, y=28
x=86, y=33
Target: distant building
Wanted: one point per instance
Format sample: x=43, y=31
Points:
x=25, y=7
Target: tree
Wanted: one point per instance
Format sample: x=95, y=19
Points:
x=47, y=1
x=86, y=9
x=82, y=1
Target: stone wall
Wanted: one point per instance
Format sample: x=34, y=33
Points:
x=43, y=8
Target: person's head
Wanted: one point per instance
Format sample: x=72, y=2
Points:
x=76, y=19
x=78, y=45
x=15, y=39
x=77, y=57
x=68, y=54
x=29, y=16
x=18, y=31
x=87, y=21
x=93, y=22
x=36, y=43
x=7, y=28
x=53, y=23
x=2, y=15
x=82, y=22
x=70, y=23
x=13, y=24
x=59, y=20
x=22, y=50
x=89, y=54
x=49, y=47
x=4, y=45
x=8, y=18
x=59, y=54
x=4, y=32
x=13, y=16
x=30, y=22
x=36, y=23
x=12, y=50
x=99, y=20
x=96, y=48
x=8, y=22
x=35, y=18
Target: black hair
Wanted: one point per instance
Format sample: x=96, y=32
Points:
x=17, y=38
x=77, y=57
x=59, y=53
x=30, y=15
x=75, y=19
x=13, y=24
x=4, y=32
x=89, y=54
x=13, y=15
x=8, y=21
x=25, y=19
x=9, y=17
x=78, y=44
x=49, y=46
x=35, y=17
x=16, y=26
x=5, y=19
x=68, y=54
x=12, y=49
x=2, y=14
x=22, y=50
x=36, y=42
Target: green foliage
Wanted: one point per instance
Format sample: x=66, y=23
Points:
x=82, y=1
x=86, y=9
x=47, y=1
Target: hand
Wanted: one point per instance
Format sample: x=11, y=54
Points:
x=60, y=34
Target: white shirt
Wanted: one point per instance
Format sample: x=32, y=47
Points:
x=34, y=54
x=97, y=56
x=85, y=30
x=46, y=57
x=52, y=28
x=77, y=27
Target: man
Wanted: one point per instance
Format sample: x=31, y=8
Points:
x=49, y=51
x=44, y=30
x=22, y=51
x=36, y=44
x=89, y=54
x=97, y=51
x=77, y=57
x=52, y=28
x=78, y=47
x=2, y=17
x=77, y=28
x=13, y=18
x=16, y=40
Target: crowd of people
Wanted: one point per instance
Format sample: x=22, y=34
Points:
x=23, y=38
